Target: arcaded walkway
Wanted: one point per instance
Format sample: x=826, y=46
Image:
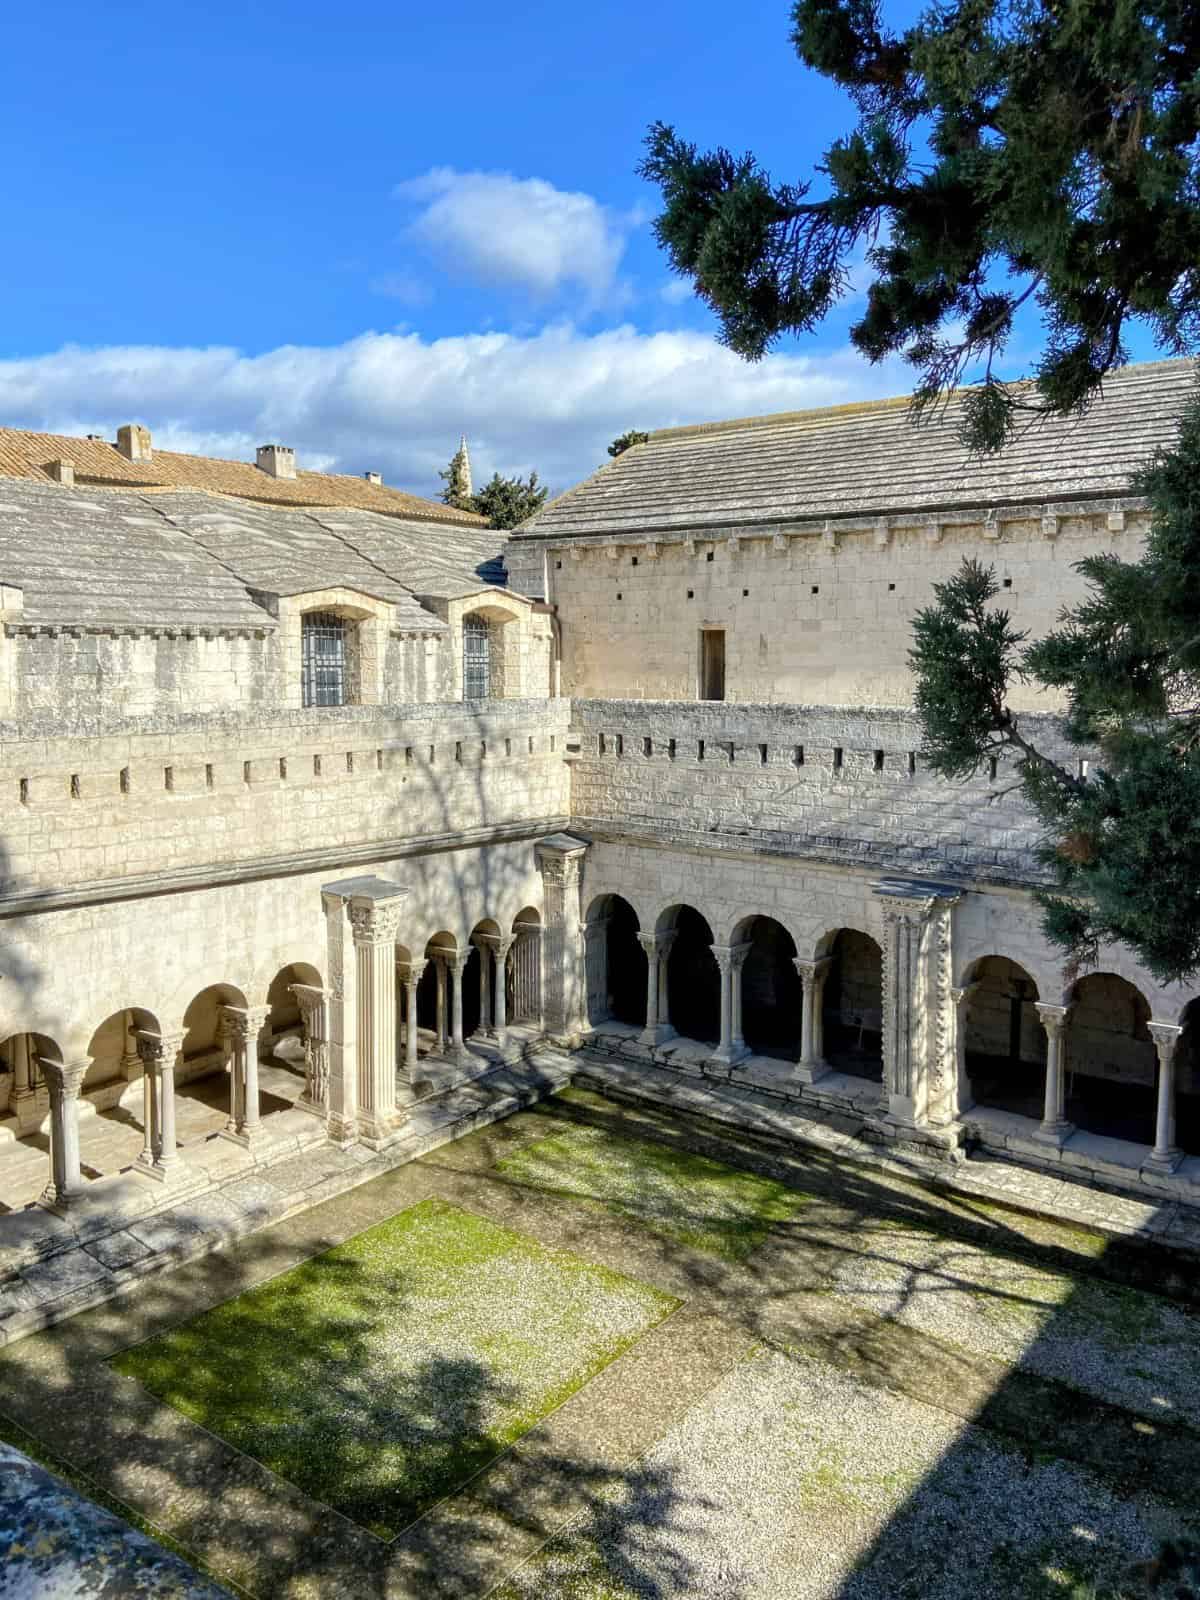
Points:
x=767, y=1375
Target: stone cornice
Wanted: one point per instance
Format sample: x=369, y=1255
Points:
x=36, y=902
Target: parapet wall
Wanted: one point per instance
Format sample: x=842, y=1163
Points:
x=95, y=801
x=828, y=784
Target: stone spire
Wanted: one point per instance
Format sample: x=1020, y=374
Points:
x=465, y=468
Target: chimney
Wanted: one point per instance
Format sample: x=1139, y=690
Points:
x=133, y=442
x=61, y=471
x=373, y=477
x=276, y=460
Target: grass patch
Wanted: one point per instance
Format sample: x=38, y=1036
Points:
x=381, y=1375
x=685, y=1197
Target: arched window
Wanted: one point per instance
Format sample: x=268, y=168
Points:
x=325, y=659
x=477, y=658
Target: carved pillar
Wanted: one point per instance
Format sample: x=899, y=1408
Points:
x=560, y=858
x=240, y=1030
x=812, y=1066
x=485, y=1029
x=1166, y=1154
x=730, y=960
x=961, y=999
x=457, y=965
x=658, y=1027
x=362, y=916
x=412, y=977
x=1054, y=1128
x=439, y=959
x=63, y=1081
x=919, y=1071
x=499, y=944
x=311, y=1001
x=159, y=1053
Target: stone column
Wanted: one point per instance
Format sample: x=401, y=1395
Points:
x=26, y=1102
x=159, y=1053
x=1054, y=1128
x=484, y=1030
x=457, y=965
x=439, y=959
x=564, y=998
x=740, y=953
x=374, y=924
x=500, y=945
x=131, y=1062
x=730, y=960
x=63, y=1080
x=412, y=977
x=961, y=999
x=811, y=1067
x=658, y=1028
x=242, y=1028
x=917, y=1011
x=1166, y=1154
x=311, y=1001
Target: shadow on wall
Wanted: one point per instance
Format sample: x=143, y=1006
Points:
x=25, y=1028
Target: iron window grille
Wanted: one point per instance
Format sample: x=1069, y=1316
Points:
x=327, y=665
x=477, y=658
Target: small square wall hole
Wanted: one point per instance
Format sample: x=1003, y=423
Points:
x=246, y=771
x=837, y=758
x=316, y=766
x=554, y=743
x=620, y=743
x=633, y=561
x=891, y=588
x=124, y=779
x=1008, y=583
x=601, y=745
x=620, y=596
x=23, y=791
x=379, y=761
x=530, y=744
x=745, y=594
x=283, y=766
x=432, y=754
x=993, y=768
x=912, y=763
x=816, y=588
x=762, y=754
x=879, y=761
x=76, y=790
x=709, y=556
x=483, y=749
x=349, y=760
x=647, y=747
x=798, y=756
x=691, y=594
x=558, y=566
x=700, y=750
x=408, y=755
x=208, y=775
x=458, y=750
x=670, y=749
x=508, y=747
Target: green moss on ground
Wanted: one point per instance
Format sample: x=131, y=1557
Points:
x=380, y=1376
x=689, y=1198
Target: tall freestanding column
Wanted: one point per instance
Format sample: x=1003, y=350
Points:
x=919, y=1075
x=362, y=919
x=961, y=999
x=499, y=944
x=159, y=1053
x=63, y=1081
x=484, y=1030
x=658, y=1028
x=1054, y=1128
x=241, y=1028
x=560, y=858
x=1166, y=1154
x=311, y=1001
x=439, y=959
x=730, y=960
x=812, y=1066
x=457, y=965
x=411, y=975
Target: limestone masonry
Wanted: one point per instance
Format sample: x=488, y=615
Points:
x=316, y=795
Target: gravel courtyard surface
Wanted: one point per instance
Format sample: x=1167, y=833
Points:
x=679, y=1194
x=793, y=1482
x=379, y=1375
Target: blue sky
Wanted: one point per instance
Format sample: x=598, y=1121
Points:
x=363, y=229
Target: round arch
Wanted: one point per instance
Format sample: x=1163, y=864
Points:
x=284, y=1031
x=1004, y=1043
x=852, y=1003
x=772, y=995
x=693, y=977
x=112, y=1048
x=1111, y=1062
x=616, y=963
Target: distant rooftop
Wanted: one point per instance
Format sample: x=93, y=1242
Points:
x=133, y=462
x=868, y=459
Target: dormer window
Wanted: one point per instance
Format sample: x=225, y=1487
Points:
x=325, y=654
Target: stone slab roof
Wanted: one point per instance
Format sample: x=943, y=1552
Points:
x=127, y=558
x=103, y=560
x=25, y=454
x=868, y=460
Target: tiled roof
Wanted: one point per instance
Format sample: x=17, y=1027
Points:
x=97, y=462
x=180, y=558
x=867, y=460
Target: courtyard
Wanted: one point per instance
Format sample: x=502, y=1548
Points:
x=601, y=1352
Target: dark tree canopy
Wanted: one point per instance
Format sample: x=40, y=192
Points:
x=631, y=437
x=1012, y=152
x=505, y=502
x=1006, y=151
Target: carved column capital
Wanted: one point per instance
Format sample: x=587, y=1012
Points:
x=411, y=972
x=309, y=997
x=241, y=1025
x=64, y=1079
x=1166, y=1037
x=657, y=944
x=811, y=972
x=155, y=1048
x=1054, y=1018
x=374, y=921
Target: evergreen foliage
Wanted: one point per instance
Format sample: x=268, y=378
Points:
x=1006, y=151
x=633, y=436
x=455, y=479
x=505, y=502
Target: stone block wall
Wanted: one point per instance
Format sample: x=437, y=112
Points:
x=810, y=615
x=839, y=785
x=86, y=803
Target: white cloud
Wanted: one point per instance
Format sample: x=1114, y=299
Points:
x=403, y=286
x=676, y=290
x=397, y=403
x=519, y=232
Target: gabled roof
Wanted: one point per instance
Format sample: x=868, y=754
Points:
x=868, y=460
x=181, y=558
x=24, y=454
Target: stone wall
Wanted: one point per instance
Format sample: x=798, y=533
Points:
x=93, y=802
x=812, y=616
x=840, y=785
